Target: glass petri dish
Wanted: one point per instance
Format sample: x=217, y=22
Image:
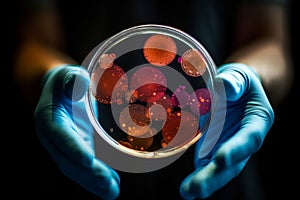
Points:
x=151, y=95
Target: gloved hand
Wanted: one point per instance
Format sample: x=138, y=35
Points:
x=221, y=154
x=69, y=139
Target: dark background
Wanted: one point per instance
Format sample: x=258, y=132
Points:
x=24, y=160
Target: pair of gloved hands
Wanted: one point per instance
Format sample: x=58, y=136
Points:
x=243, y=118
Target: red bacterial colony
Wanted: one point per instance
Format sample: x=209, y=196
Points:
x=139, y=114
x=160, y=50
x=183, y=122
x=180, y=98
x=133, y=120
x=200, y=102
x=159, y=108
x=139, y=143
x=148, y=84
x=109, y=81
x=106, y=60
x=193, y=63
x=171, y=126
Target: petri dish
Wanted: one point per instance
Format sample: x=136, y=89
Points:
x=151, y=95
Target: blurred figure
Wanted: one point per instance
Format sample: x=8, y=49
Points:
x=249, y=42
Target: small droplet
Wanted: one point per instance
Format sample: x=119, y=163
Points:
x=193, y=63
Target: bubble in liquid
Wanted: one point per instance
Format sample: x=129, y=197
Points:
x=105, y=82
x=193, y=63
x=148, y=84
x=200, y=101
x=160, y=50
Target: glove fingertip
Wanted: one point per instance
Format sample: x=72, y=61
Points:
x=185, y=190
x=113, y=190
x=235, y=79
x=116, y=176
x=76, y=83
x=234, y=86
x=191, y=188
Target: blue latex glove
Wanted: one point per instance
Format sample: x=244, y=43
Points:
x=70, y=141
x=247, y=119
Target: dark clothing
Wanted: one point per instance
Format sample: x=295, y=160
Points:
x=85, y=25
x=89, y=23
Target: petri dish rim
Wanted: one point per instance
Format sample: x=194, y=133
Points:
x=105, y=46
